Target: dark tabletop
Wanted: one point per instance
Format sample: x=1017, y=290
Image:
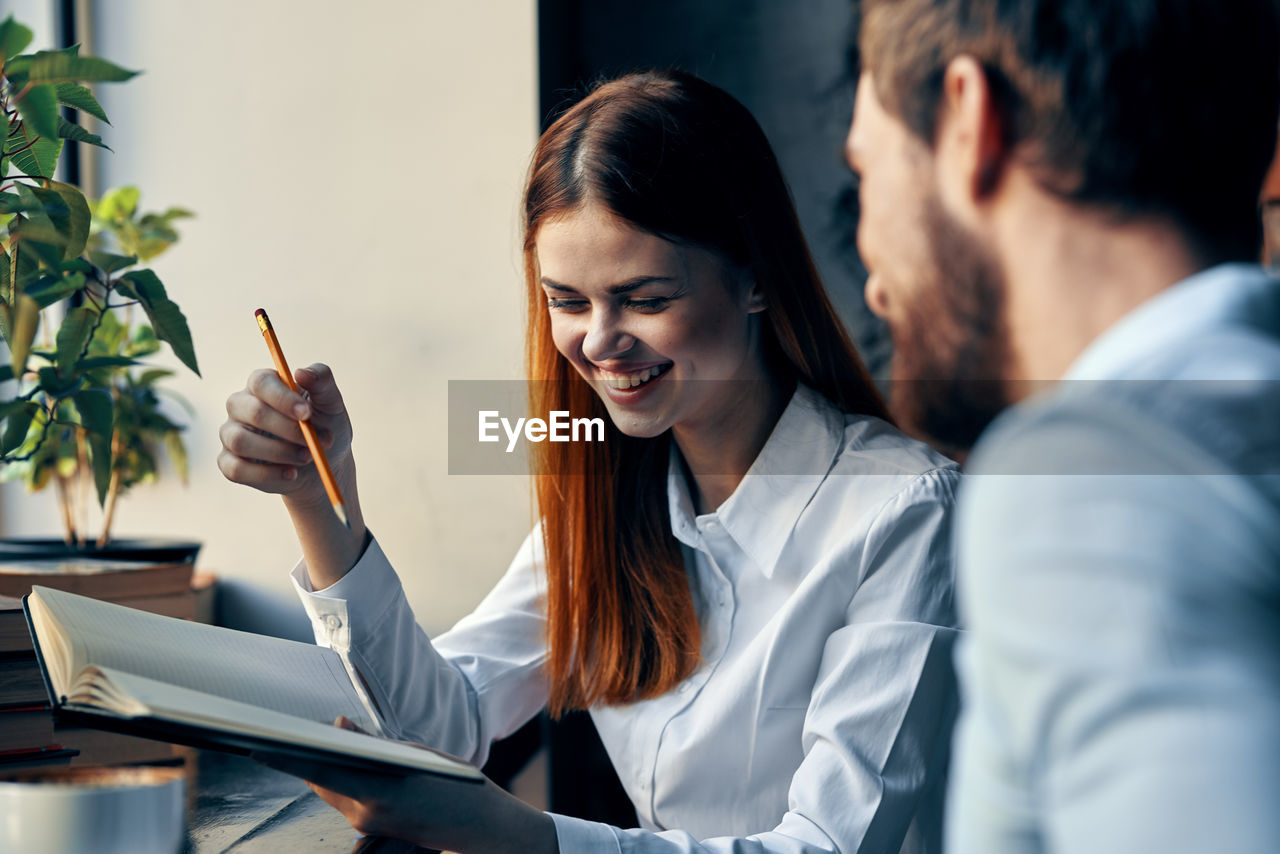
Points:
x=237, y=805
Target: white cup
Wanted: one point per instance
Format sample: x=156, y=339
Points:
x=103, y=810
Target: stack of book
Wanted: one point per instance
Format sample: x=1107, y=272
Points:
x=27, y=730
x=161, y=588
x=26, y=726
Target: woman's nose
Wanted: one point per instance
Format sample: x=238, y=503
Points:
x=605, y=338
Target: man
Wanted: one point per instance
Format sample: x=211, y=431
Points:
x=1058, y=215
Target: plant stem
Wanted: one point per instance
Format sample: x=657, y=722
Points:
x=64, y=501
x=86, y=474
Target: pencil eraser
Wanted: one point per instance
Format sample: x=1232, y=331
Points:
x=259, y=313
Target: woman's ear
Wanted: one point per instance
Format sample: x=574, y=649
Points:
x=756, y=300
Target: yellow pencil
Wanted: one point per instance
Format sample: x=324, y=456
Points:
x=308, y=432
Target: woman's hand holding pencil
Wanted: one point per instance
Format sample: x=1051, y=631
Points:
x=265, y=446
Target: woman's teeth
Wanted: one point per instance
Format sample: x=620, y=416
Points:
x=625, y=381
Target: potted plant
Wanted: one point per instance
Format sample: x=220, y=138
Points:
x=78, y=310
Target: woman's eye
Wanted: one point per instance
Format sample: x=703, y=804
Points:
x=565, y=304
x=649, y=303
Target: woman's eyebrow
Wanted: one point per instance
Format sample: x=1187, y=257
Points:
x=621, y=288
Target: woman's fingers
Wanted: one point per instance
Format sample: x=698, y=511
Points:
x=344, y=722
x=244, y=407
x=317, y=379
x=266, y=386
x=248, y=443
x=263, y=476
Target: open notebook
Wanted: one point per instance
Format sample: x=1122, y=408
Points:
x=116, y=668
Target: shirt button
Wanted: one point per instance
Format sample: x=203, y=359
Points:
x=684, y=687
x=333, y=622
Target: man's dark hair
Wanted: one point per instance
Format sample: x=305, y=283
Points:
x=1143, y=107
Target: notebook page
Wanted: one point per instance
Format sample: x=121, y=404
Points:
x=167, y=702
x=286, y=676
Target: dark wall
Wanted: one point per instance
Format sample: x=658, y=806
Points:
x=786, y=60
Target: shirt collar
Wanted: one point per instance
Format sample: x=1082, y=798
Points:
x=762, y=512
x=1206, y=299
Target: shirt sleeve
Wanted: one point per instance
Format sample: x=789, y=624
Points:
x=877, y=729
x=1120, y=677
x=478, y=682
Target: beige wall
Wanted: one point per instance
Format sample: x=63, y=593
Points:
x=356, y=171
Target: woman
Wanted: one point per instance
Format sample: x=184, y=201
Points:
x=747, y=583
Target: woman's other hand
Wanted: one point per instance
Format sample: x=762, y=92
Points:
x=425, y=809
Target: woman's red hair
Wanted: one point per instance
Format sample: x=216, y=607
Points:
x=674, y=156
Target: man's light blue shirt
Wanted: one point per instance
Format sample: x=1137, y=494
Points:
x=1119, y=571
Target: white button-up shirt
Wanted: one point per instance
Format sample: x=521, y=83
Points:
x=819, y=719
x=1119, y=560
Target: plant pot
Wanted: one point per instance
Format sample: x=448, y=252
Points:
x=151, y=549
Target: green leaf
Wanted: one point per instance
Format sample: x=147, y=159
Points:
x=10, y=406
x=143, y=342
x=49, y=289
x=11, y=203
x=39, y=109
x=37, y=159
x=151, y=377
x=55, y=384
x=51, y=206
x=77, y=220
x=24, y=263
x=25, y=320
x=69, y=130
x=46, y=231
x=109, y=262
x=45, y=244
x=73, y=335
x=80, y=98
x=118, y=204
x=110, y=336
x=37, y=238
x=65, y=66
x=76, y=265
x=14, y=39
x=100, y=459
x=98, y=416
x=93, y=363
x=177, y=454
x=95, y=410
x=140, y=349
x=16, y=425
x=169, y=322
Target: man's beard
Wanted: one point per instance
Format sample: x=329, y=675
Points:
x=951, y=350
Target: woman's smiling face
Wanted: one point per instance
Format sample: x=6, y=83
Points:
x=660, y=330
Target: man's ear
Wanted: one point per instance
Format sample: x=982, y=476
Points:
x=971, y=150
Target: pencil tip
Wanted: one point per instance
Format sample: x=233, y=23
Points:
x=342, y=515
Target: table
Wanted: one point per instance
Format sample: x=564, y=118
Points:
x=237, y=806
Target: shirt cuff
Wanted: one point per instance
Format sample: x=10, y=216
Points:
x=365, y=593
x=575, y=834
